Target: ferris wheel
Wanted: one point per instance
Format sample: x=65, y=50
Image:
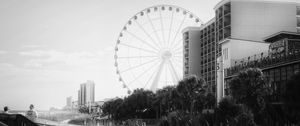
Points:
x=149, y=48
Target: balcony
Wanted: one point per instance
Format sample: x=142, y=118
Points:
x=264, y=63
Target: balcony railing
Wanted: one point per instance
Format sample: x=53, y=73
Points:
x=264, y=62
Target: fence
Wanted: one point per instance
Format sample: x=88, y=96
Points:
x=264, y=62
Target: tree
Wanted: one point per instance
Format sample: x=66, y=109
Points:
x=84, y=109
x=191, y=90
x=292, y=98
x=227, y=110
x=250, y=87
x=233, y=114
x=138, y=105
x=111, y=108
x=164, y=100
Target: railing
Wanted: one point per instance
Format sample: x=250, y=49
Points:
x=16, y=120
x=264, y=63
x=19, y=120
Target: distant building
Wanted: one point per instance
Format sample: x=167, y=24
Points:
x=86, y=94
x=69, y=101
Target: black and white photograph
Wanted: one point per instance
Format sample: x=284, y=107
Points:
x=149, y=62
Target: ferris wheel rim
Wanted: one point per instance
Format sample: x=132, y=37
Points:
x=174, y=8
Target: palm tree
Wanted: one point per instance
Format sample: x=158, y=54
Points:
x=191, y=90
x=250, y=87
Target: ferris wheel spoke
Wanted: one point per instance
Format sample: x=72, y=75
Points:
x=177, y=59
x=173, y=70
x=152, y=60
x=170, y=28
x=153, y=28
x=177, y=65
x=178, y=54
x=157, y=76
x=139, y=76
x=150, y=78
x=172, y=75
x=137, y=66
x=141, y=27
x=133, y=57
x=162, y=26
x=145, y=42
x=178, y=50
x=182, y=21
x=142, y=49
x=178, y=43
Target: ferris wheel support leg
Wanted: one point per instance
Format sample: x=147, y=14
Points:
x=157, y=76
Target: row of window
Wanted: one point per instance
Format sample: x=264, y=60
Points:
x=208, y=30
x=205, y=41
x=207, y=58
x=298, y=21
x=209, y=76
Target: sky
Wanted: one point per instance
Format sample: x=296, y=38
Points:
x=49, y=47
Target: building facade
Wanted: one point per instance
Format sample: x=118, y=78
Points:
x=86, y=94
x=280, y=63
x=238, y=30
x=248, y=24
x=190, y=44
x=200, y=53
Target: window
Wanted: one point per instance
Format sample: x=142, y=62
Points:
x=298, y=21
x=298, y=10
x=225, y=53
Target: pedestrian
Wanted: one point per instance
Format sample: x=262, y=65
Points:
x=31, y=113
x=6, y=109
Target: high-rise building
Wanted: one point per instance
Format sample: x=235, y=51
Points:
x=200, y=52
x=238, y=30
x=191, y=60
x=86, y=94
x=69, y=101
x=79, y=98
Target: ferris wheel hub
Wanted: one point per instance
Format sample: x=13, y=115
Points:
x=165, y=55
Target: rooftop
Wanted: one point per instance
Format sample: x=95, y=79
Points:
x=280, y=35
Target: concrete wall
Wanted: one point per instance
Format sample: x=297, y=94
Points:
x=252, y=20
x=194, y=52
x=238, y=49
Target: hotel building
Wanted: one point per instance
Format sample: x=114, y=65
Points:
x=238, y=30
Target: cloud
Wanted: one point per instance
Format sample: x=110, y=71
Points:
x=34, y=53
x=32, y=46
x=3, y=52
x=59, y=59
